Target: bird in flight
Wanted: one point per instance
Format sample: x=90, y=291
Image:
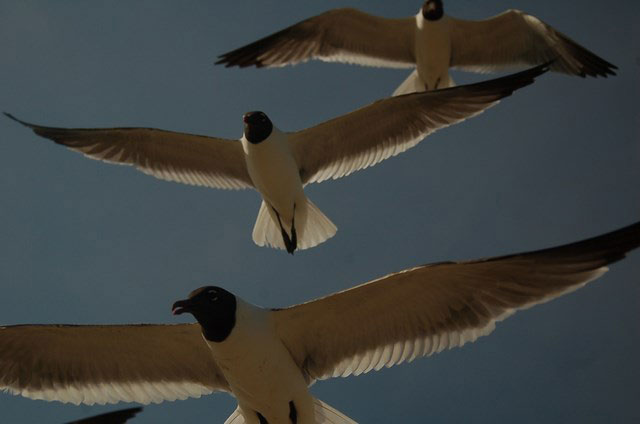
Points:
x=267, y=358
x=431, y=42
x=279, y=164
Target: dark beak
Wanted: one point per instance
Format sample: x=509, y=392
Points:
x=181, y=306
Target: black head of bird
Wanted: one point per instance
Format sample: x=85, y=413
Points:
x=257, y=126
x=432, y=10
x=214, y=308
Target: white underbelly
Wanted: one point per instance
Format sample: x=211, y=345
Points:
x=269, y=387
x=260, y=371
x=275, y=175
x=433, y=54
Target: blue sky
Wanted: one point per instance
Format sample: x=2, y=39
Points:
x=85, y=242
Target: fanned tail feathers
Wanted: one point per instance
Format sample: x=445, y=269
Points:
x=235, y=418
x=413, y=84
x=410, y=85
x=312, y=227
x=324, y=414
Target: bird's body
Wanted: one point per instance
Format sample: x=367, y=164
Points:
x=433, y=52
x=276, y=176
x=252, y=372
x=431, y=43
x=279, y=164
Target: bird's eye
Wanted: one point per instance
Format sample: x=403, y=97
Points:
x=213, y=295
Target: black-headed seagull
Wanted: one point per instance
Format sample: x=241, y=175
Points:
x=267, y=358
x=431, y=41
x=278, y=164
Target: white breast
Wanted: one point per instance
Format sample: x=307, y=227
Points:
x=433, y=51
x=274, y=172
x=260, y=370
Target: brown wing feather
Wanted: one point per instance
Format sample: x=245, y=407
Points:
x=107, y=363
x=369, y=135
x=429, y=308
x=172, y=156
x=514, y=38
x=343, y=35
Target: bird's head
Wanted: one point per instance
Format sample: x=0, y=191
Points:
x=257, y=126
x=214, y=308
x=432, y=10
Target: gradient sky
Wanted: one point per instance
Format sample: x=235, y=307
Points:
x=85, y=242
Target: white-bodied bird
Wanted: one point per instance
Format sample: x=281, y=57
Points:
x=267, y=358
x=278, y=164
x=431, y=42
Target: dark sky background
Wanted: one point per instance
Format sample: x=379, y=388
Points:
x=85, y=242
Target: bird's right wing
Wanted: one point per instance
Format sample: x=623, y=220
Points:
x=421, y=311
x=385, y=128
x=185, y=158
x=107, y=363
x=514, y=38
x=339, y=35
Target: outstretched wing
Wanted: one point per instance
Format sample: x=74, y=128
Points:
x=515, y=38
x=387, y=127
x=339, y=35
x=429, y=308
x=172, y=156
x=107, y=363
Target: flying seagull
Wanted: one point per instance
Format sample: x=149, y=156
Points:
x=278, y=164
x=120, y=416
x=267, y=358
x=431, y=42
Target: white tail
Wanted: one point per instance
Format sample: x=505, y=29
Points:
x=235, y=418
x=413, y=84
x=312, y=227
x=324, y=414
x=328, y=415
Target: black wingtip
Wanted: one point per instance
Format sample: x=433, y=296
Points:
x=10, y=116
x=604, y=249
x=120, y=416
x=20, y=121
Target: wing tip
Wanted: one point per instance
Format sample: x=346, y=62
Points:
x=10, y=116
x=20, y=121
x=231, y=59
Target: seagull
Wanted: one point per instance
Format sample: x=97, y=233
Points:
x=267, y=358
x=431, y=42
x=120, y=416
x=279, y=164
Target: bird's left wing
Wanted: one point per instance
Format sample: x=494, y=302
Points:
x=429, y=308
x=107, y=363
x=339, y=35
x=514, y=38
x=387, y=127
x=185, y=158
